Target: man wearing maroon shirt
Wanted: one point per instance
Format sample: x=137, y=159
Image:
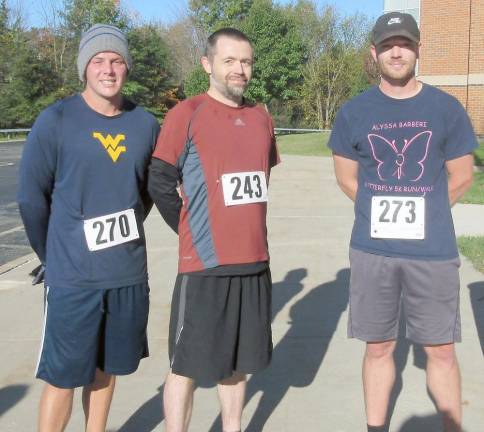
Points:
x=219, y=149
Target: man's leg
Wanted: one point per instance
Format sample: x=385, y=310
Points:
x=231, y=393
x=55, y=408
x=378, y=380
x=177, y=402
x=431, y=298
x=443, y=381
x=96, y=400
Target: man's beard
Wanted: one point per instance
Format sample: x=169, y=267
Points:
x=230, y=91
x=235, y=91
x=403, y=75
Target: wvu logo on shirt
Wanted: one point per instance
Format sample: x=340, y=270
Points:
x=111, y=144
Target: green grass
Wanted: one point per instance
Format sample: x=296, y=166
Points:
x=308, y=144
x=479, y=154
x=314, y=144
x=475, y=195
x=3, y=138
x=473, y=248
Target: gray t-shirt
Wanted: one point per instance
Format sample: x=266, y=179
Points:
x=401, y=146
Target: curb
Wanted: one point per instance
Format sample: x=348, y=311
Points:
x=13, y=141
x=17, y=262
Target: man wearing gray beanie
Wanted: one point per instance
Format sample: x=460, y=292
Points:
x=99, y=38
x=93, y=150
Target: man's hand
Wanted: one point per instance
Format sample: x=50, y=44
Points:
x=460, y=171
x=346, y=171
x=37, y=274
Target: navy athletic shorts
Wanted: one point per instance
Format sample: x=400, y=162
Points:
x=85, y=329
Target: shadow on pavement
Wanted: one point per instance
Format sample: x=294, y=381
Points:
x=430, y=423
x=11, y=395
x=433, y=422
x=402, y=351
x=477, y=301
x=299, y=354
x=147, y=417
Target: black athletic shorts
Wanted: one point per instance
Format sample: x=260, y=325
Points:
x=220, y=325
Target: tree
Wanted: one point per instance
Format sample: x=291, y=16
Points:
x=25, y=76
x=6, y=52
x=186, y=43
x=196, y=82
x=5, y=42
x=211, y=15
x=278, y=51
x=335, y=68
x=151, y=77
x=80, y=15
x=40, y=65
x=3, y=17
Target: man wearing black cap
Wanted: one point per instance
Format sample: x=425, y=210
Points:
x=403, y=153
x=83, y=198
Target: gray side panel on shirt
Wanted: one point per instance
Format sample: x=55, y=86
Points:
x=195, y=188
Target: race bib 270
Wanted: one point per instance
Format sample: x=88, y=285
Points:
x=111, y=230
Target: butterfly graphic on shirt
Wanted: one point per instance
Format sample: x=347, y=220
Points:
x=407, y=160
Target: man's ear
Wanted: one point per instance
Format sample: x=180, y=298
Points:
x=206, y=64
x=374, y=54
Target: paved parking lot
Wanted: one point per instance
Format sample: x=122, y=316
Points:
x=13, y=241
x=314, y=381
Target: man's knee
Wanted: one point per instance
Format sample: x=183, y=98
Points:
x=442, y=354
x=179, y=381
x=58, y=392
x=380, y=350
x=102, y=380
x=236, y=378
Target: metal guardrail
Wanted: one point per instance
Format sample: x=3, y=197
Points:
x=287, y=130
x=283, y=130
x=278, y=131
x=295, y=130
x=11, y=133
x=14, y=131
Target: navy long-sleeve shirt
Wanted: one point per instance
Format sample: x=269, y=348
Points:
x=79, y=165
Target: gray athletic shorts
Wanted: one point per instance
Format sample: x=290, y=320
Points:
x=427, y=291
x=220, y=325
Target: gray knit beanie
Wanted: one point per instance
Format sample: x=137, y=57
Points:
x=100, y=38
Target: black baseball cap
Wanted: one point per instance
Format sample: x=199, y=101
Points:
x=395, y=24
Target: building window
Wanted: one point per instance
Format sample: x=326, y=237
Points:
x=411, y=7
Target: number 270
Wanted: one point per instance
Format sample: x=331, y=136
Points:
x=123, y=228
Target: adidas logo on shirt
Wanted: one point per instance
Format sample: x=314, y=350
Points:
x=239, y=122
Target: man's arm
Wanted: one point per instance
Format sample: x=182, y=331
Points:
x=162, y=185
x=146, y=200
x=460, y=172
x=144, y=193
x=36, y=181
x=346, y=171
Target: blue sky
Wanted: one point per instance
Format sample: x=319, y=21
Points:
x=167, y=11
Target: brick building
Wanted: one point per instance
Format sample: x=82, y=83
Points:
x=452, y=53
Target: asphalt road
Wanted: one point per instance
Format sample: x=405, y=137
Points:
x=13, y=241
